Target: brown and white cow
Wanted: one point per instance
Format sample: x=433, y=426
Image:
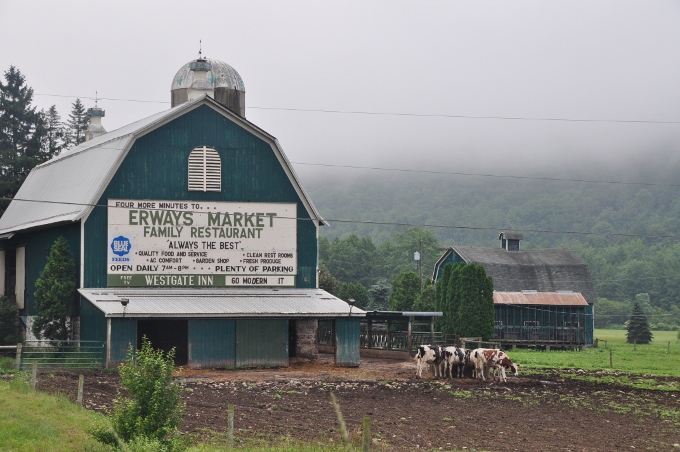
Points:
x=485, y=359
x=427, y=355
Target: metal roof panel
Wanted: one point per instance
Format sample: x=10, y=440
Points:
x=210, y=302
x=540, y=298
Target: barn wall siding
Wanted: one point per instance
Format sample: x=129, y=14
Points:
x=38, y=244
x=212, y=343
x=262, y=342
x=347, y=342
x=123, y=336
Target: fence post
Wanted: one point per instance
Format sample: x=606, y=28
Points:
x=669, y=348
x=81, y=383
x=34, y=375
x=366, y=443
x=611, y=360
x=596, y=344
x=230, y=417
x=605, y=344
x=17, y=358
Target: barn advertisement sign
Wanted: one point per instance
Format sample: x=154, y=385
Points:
x=181, y=243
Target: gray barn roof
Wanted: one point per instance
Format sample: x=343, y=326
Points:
x=546, y=270
x=65, y=188
x=223, y=302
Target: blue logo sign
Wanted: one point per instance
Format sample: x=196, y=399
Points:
x=121, y=245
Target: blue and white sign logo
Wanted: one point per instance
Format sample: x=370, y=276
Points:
x=121, y=245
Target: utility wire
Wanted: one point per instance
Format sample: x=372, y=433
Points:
x=417, y=115
x=454, y=173
x=389, y=223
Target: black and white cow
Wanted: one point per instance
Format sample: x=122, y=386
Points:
x=454, y=357
x=427, y=355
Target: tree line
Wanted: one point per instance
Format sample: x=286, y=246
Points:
x=29, y=136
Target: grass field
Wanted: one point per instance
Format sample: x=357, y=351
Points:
x=631, y=365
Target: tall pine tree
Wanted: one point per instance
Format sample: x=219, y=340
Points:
x=77, y=124
x=55, y=134
x=22, y=129
x=638, y=328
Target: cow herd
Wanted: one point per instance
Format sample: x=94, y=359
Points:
x=443, y=361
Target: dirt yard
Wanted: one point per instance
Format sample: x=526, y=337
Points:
x=525, y=414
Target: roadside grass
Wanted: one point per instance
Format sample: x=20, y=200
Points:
x=31, y=421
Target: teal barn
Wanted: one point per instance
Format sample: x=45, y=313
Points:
x=189, y=227
x=542, y=297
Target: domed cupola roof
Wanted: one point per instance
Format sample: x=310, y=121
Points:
x=212, y=77
x=219, y=75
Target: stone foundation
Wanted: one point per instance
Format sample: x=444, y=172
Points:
x=306, y=331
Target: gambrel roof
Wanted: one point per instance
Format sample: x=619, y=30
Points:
x=66, y=188
x=546, y=270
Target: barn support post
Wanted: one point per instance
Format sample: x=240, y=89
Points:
x=389, y=335
x=369, y=334
x=408, y=335
x=432, y=330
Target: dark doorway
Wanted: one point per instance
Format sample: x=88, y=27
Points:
x=165, y=334
x=292, y=339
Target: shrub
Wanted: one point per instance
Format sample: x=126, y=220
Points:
x=154, y=412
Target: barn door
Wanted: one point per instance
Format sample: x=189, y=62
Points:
x=262, y=342
x=347, y=342
x=212, y=343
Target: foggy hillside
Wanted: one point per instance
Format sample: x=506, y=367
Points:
x=578, y=205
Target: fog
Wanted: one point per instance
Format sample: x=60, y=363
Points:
x=523, y=87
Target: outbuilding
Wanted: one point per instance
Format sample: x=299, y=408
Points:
x=190, y=227
x=541, y=296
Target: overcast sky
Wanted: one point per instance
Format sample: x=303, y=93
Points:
x=603, y=60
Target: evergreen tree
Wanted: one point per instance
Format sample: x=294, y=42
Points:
x=405, y=289
x=55, y=294
x=327, y=281
x=77, y=124
x=355, y=291
x=425, y=301
x=55, y=140
x=380, y=295
x=638, y=328
x=454, y=293
x=10, y=331
x=441, y=301
x=470, y=311
x=21, y=133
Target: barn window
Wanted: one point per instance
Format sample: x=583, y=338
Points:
x=205, y=170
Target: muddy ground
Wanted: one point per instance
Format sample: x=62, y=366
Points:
x=537, y=413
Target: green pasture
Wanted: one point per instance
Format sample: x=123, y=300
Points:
x=632, y=365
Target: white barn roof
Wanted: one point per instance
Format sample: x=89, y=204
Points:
x=223, y=302
x=65, y=188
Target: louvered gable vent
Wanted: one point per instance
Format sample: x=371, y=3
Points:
x=205, y=170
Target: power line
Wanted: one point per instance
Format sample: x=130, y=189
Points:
x=416, y=115
x=455, y=173
x=389, y=223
